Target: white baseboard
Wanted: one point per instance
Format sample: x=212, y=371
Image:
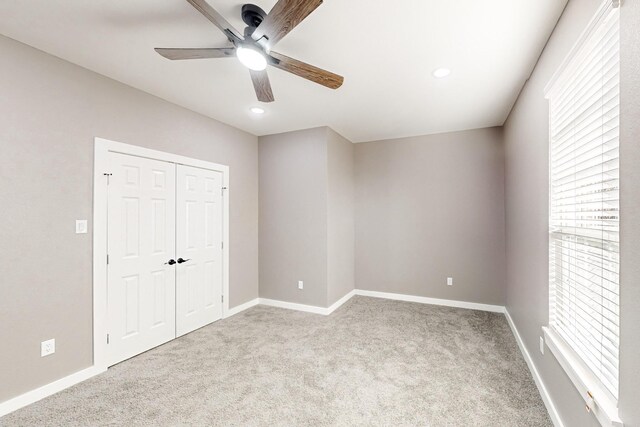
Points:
x=433, y=301
x=293, y=306
x=242, y=307
x=33, y=396
x=325, y=311
x=546, y=398
x=385, y=295
x=341, y=301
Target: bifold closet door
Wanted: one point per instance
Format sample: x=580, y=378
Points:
x=199, y=246
x=141, y=243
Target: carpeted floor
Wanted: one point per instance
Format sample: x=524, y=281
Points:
x=372, y=362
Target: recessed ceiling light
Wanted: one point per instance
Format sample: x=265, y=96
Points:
x=257, y=110
x=441, y=72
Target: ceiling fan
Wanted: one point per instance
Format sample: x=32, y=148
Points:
x=253, y=48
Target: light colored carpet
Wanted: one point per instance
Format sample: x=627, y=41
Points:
x=372, y=362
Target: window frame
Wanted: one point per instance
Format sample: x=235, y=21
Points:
x=598, y=399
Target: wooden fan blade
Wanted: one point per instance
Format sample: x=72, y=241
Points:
x=262, y=86
x=306, y=71
x=195, y=53
x=218, y=20
x=284, y=16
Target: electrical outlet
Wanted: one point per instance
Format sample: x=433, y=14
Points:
x=449, y=281
x=300, y=284
x=541, y=345
x=81, y=226
x=47, y=347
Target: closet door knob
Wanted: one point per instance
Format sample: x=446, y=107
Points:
x=170, y=262
x=180, y=260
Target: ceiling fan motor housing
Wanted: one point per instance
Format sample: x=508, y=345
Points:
x=252, y=15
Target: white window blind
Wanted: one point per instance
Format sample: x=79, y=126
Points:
x=584, y=200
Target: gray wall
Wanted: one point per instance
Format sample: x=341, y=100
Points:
x=526, y=145
x=50, y=111
x=293, y=216
x=306, y=216
x=432, y=207
x=340, y=221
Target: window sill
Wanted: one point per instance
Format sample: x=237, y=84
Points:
x=603, y=406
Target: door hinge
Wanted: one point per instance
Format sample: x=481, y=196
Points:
x=107, y=259
x=222, y=298
x=222, y=190
x=107, y=175
x=107, y=338
x=222, y=245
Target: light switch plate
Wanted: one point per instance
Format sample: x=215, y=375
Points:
x=47, y=347
x=450, y=281
x=300, y=284
x=81, y=226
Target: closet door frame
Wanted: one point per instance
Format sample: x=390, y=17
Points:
x=102, y=148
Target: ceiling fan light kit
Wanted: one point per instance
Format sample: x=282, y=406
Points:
x=251, y=58
x=253, y=49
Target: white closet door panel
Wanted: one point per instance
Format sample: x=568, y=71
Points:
x=141, y=239
x=199, y=239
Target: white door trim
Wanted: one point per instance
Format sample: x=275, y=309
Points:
x=101, y=167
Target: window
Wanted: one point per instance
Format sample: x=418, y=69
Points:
x=584, y=204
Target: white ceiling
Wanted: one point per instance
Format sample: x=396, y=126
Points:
x=386, y=50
